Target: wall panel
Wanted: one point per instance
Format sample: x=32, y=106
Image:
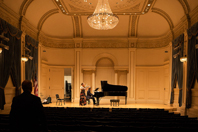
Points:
x=149, y=84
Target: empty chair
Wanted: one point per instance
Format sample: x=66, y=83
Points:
x=59, y=100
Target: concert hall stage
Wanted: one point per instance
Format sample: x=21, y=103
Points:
x=128, y=105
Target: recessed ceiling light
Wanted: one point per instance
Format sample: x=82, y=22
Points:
x=57, y=0
x=149, y=4
x=85, y=0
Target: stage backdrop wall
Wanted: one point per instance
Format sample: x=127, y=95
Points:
x=151, y=68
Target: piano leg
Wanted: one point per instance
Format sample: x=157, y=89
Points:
x=97, y=101
x=125, y=99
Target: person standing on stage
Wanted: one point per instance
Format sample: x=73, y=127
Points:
x=82, y=94
x=90, y=95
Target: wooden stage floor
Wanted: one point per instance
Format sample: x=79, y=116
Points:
x=132, y=105
x=75, y=104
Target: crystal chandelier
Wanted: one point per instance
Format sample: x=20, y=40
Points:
x=103, y=18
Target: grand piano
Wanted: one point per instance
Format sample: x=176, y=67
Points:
x=111, y=90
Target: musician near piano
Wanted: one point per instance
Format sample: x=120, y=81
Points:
x=82, y=94
x=90, y=96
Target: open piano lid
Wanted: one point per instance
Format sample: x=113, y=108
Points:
x=108, y=87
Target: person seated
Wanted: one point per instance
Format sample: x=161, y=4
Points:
x=90, y=96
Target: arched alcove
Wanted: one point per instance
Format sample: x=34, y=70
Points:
x=104, y=71
x=105, y=55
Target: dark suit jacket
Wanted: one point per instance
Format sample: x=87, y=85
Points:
x=27, y=113
x=89, y=94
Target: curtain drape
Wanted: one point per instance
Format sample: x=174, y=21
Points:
x=177, y=67
x=192, y=65
x=7, y=57
x=31, y=66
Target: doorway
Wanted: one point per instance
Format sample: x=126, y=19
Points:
x=68, y=84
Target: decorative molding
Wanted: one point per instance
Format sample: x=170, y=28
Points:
x=61, y=6
x=9, y=15
x=132, y=42
x=186, y=9
x=185, y=6
x=165, y=15
x=75, y=9
x=55, y=42
x=135, y=8
x=77, y=23
x=105, y=44
x=51, y=41
x=105, y=55
x=194, y=16
x=45, y=16
x=24, y=7
x=133, y=20
x=155, y=42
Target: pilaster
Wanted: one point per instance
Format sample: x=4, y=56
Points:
x=93, y=80
x=22, y=53
x=39, y=67
x=131, y=75
x=78, y=75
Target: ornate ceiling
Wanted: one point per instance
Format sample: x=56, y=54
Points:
x=140, y=21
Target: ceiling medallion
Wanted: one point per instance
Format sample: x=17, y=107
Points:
x=103, y=18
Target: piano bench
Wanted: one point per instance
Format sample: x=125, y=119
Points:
x=115, y=101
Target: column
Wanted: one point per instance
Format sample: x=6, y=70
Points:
x=78, y=75
x=22, y=53
x=185, y=52
x=93, y=81
x=116, y=77
x=170, y=70
x=39, y=69
x=131, y=83
x=132, y=63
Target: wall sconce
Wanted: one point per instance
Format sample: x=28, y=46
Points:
x=4, y=38
x=27, y=49
x=4, y=46
x=183, y=59
x=24, y=58
x=30, y=57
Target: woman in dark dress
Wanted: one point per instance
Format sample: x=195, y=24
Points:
x=82, y=94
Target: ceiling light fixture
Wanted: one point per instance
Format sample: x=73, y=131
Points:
x=103, y=18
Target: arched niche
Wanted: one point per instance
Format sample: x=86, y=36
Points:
x=105, y=55
x=104, y=71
